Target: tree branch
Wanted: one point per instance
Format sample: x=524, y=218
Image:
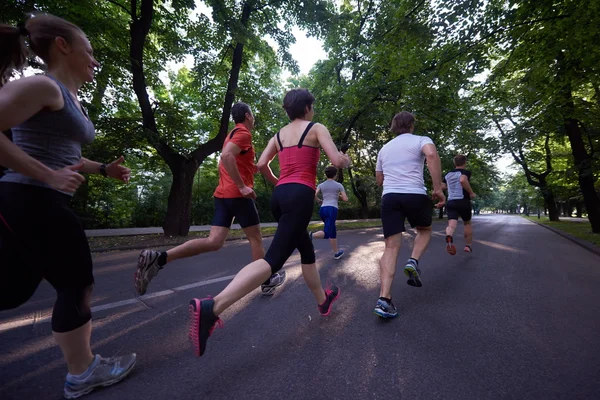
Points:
x=116, y=3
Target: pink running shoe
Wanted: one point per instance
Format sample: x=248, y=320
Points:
x=203, y=322
x=331, y=295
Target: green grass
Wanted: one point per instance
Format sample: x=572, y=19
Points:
x=159, y=240
x=581, y=230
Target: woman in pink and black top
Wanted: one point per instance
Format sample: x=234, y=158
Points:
x=298, y=145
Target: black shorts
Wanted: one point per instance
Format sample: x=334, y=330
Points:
x=41, y=237
x=395, y=207
x=242, y=209
x=462, y=208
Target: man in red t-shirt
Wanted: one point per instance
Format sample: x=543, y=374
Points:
x=233, y=198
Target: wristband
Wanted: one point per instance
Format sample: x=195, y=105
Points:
x=103, y=170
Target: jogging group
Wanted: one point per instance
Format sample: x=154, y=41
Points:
x=41, y=237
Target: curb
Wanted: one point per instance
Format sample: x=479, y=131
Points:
x=229, y=239
x=583, y=243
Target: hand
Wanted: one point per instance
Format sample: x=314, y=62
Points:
x=117, y=171
x=348, y=161
x=248, y=192
x=438, y=194
x=472, y=195
x=66, y=179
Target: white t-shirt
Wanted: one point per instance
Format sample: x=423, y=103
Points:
x=402, y=160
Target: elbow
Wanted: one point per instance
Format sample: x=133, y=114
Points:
x=263, y=167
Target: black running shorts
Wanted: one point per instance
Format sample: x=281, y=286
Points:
x=396, y=207
x=41, y=237
x=242, y=209
x=462, y=208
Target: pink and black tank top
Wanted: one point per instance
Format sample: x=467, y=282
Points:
x=298, y=164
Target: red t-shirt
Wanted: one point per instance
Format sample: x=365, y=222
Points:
x=227, y=188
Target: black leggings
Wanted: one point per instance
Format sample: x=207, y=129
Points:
x=42, y=238
x=292, y=205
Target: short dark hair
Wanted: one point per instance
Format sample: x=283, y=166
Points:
x=402, y=122
x=296, y=101
x=331, y=172
x=460, y=160
x=239, y=111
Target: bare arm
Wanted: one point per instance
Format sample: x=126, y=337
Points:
x=19, y=101
x=434, y=164
x=113, y=170
x=379, y=178
x=336, y=157
x=231, y=151
x=265, y=160
x=464, y=181
x=317, y=199
x=344, y=196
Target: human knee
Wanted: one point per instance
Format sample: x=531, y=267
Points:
x=215, y=243
x=72, y=309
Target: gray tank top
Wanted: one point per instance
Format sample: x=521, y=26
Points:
x=52, y=137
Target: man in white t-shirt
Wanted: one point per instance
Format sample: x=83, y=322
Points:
x=400, y=170
x=332, y=191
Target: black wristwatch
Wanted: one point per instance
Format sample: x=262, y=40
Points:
x=103, y=170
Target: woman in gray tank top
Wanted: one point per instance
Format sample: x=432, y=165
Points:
x=40, y=235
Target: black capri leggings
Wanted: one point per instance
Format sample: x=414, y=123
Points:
x=42, y=238
x=292, y=205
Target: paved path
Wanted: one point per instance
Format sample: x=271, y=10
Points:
x=517, y=319
x=195, y=228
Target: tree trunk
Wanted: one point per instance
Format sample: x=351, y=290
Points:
x=177, y=220
x=578, y=207
x=550, y=203
x=583, y=160
x=441, y=213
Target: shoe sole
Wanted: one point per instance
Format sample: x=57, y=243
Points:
x=331, y=304
x=468, y=251
x=451, y=249
x=101, y=384
x=338, y=257
x=194, y=328
x=271, y=289
x=384, y=315
x=414, y=277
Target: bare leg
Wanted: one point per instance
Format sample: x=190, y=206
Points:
x=313, y=281
x=248, y=279
x=334, y=246
x=214, y=241
x=387, y=264
x=318, y=235
x=256, y=244
x=468, y=232
x=451, y=227
x=421, y=241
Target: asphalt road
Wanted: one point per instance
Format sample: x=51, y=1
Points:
x=517, y=319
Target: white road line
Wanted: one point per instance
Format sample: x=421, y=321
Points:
x=28, y=321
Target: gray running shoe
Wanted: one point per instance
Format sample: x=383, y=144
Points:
x=385, y=309
x=277, y=279
x=147, y=269
x=102, y=372
x=414, y=274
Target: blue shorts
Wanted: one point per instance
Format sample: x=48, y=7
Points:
x=329, y=214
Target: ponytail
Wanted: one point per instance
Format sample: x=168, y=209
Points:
x=40, y=30
x=13, y=52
